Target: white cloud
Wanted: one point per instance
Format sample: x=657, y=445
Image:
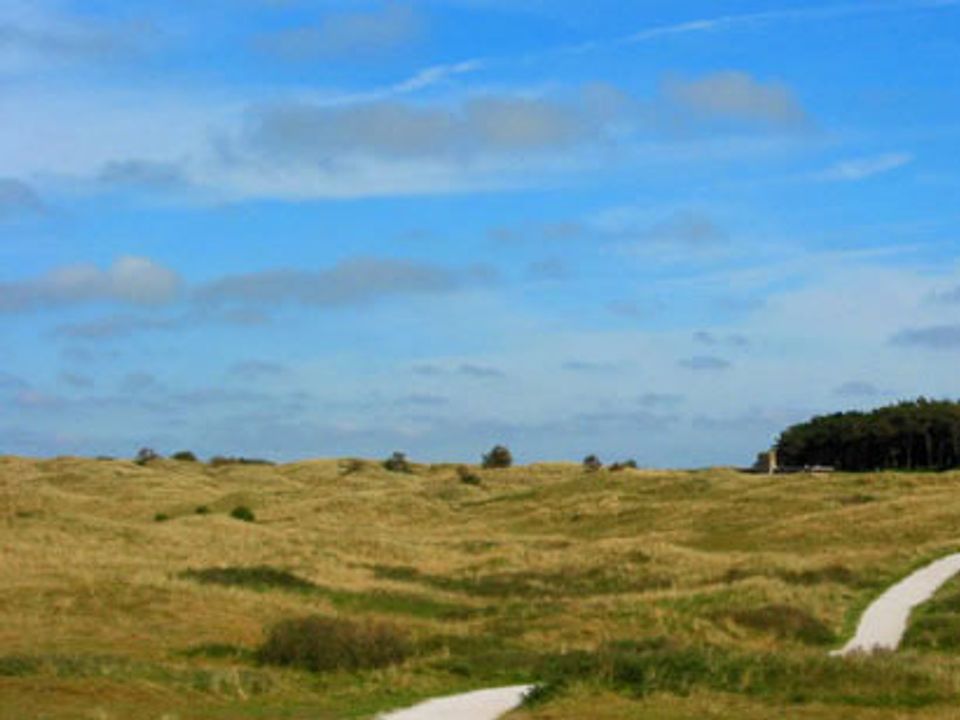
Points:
x=130, y=280
x=866, y=167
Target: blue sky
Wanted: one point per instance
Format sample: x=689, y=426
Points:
x=302, y=228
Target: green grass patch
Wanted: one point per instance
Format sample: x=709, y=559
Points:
x=785, y=622
x=935, y=625
x=573, y=582
x=663, y=666
x=264, y=578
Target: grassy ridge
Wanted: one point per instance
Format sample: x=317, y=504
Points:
x=665, y=594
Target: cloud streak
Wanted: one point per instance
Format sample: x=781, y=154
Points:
x=130, y=280
x=17, y=198
x=864, y=168
x=349, y=35
x=349, y=283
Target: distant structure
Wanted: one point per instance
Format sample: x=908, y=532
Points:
x=766, y=463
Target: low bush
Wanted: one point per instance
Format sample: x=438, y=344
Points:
x=498, y=457
x=146, y=455
x=220, y=461
x=161, y=517
x=398, y=463
x=625, y=465
x=242, y=512
x=466, y=476
x=323, y=644
x=184, y=456
x=591, y=463
x=202, y=510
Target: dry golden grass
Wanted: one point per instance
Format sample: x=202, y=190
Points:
x=545, y=559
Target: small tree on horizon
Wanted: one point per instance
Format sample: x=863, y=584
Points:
x=591, y=463
x=145, y=455
x=397, y=463
x=498, y=457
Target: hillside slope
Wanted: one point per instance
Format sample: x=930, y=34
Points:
x=636, y=593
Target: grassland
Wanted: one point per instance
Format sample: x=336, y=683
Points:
x=636, y=594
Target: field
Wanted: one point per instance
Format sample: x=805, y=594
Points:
x=130, y=591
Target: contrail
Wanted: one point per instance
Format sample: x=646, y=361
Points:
x=431, y=76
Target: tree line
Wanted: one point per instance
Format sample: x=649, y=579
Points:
x=911, y=435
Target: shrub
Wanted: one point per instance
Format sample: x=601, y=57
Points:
x=467, y=477
x=184, y=456
x=146, y=455
x=161, y=517
x=323, y=644
x=397, y=463
x=202, y=510
x=242, y=512
x=591, y=463
x=625, y=465
x=220, y=461
x=498, y=457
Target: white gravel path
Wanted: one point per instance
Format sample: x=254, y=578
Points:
x=883, y=624
x=478, y=705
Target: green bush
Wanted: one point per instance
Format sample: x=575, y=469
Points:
x=161, y=517
x=202, y=510
x=397, y=463
x=242, y=512
x=498, y=457
x=323, y=644
x=625, y=465
x=184, y=456
x=591, y=463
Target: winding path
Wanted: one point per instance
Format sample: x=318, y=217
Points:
x=477, y=705
x=883, y=623
x=881, y=628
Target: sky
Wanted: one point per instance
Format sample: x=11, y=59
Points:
x=320, y=228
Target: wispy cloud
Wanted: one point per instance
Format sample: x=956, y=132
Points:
x=934, y=337
x=349, y=35
x=866, y=167
x=704, y=362
x=351, y=282
x=18, y=198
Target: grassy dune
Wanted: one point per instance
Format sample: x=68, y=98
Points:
x=635, y=594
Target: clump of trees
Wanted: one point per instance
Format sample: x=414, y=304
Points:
x=398, y=463
x=591, y=463
x=498, y=457
x=911, y=435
